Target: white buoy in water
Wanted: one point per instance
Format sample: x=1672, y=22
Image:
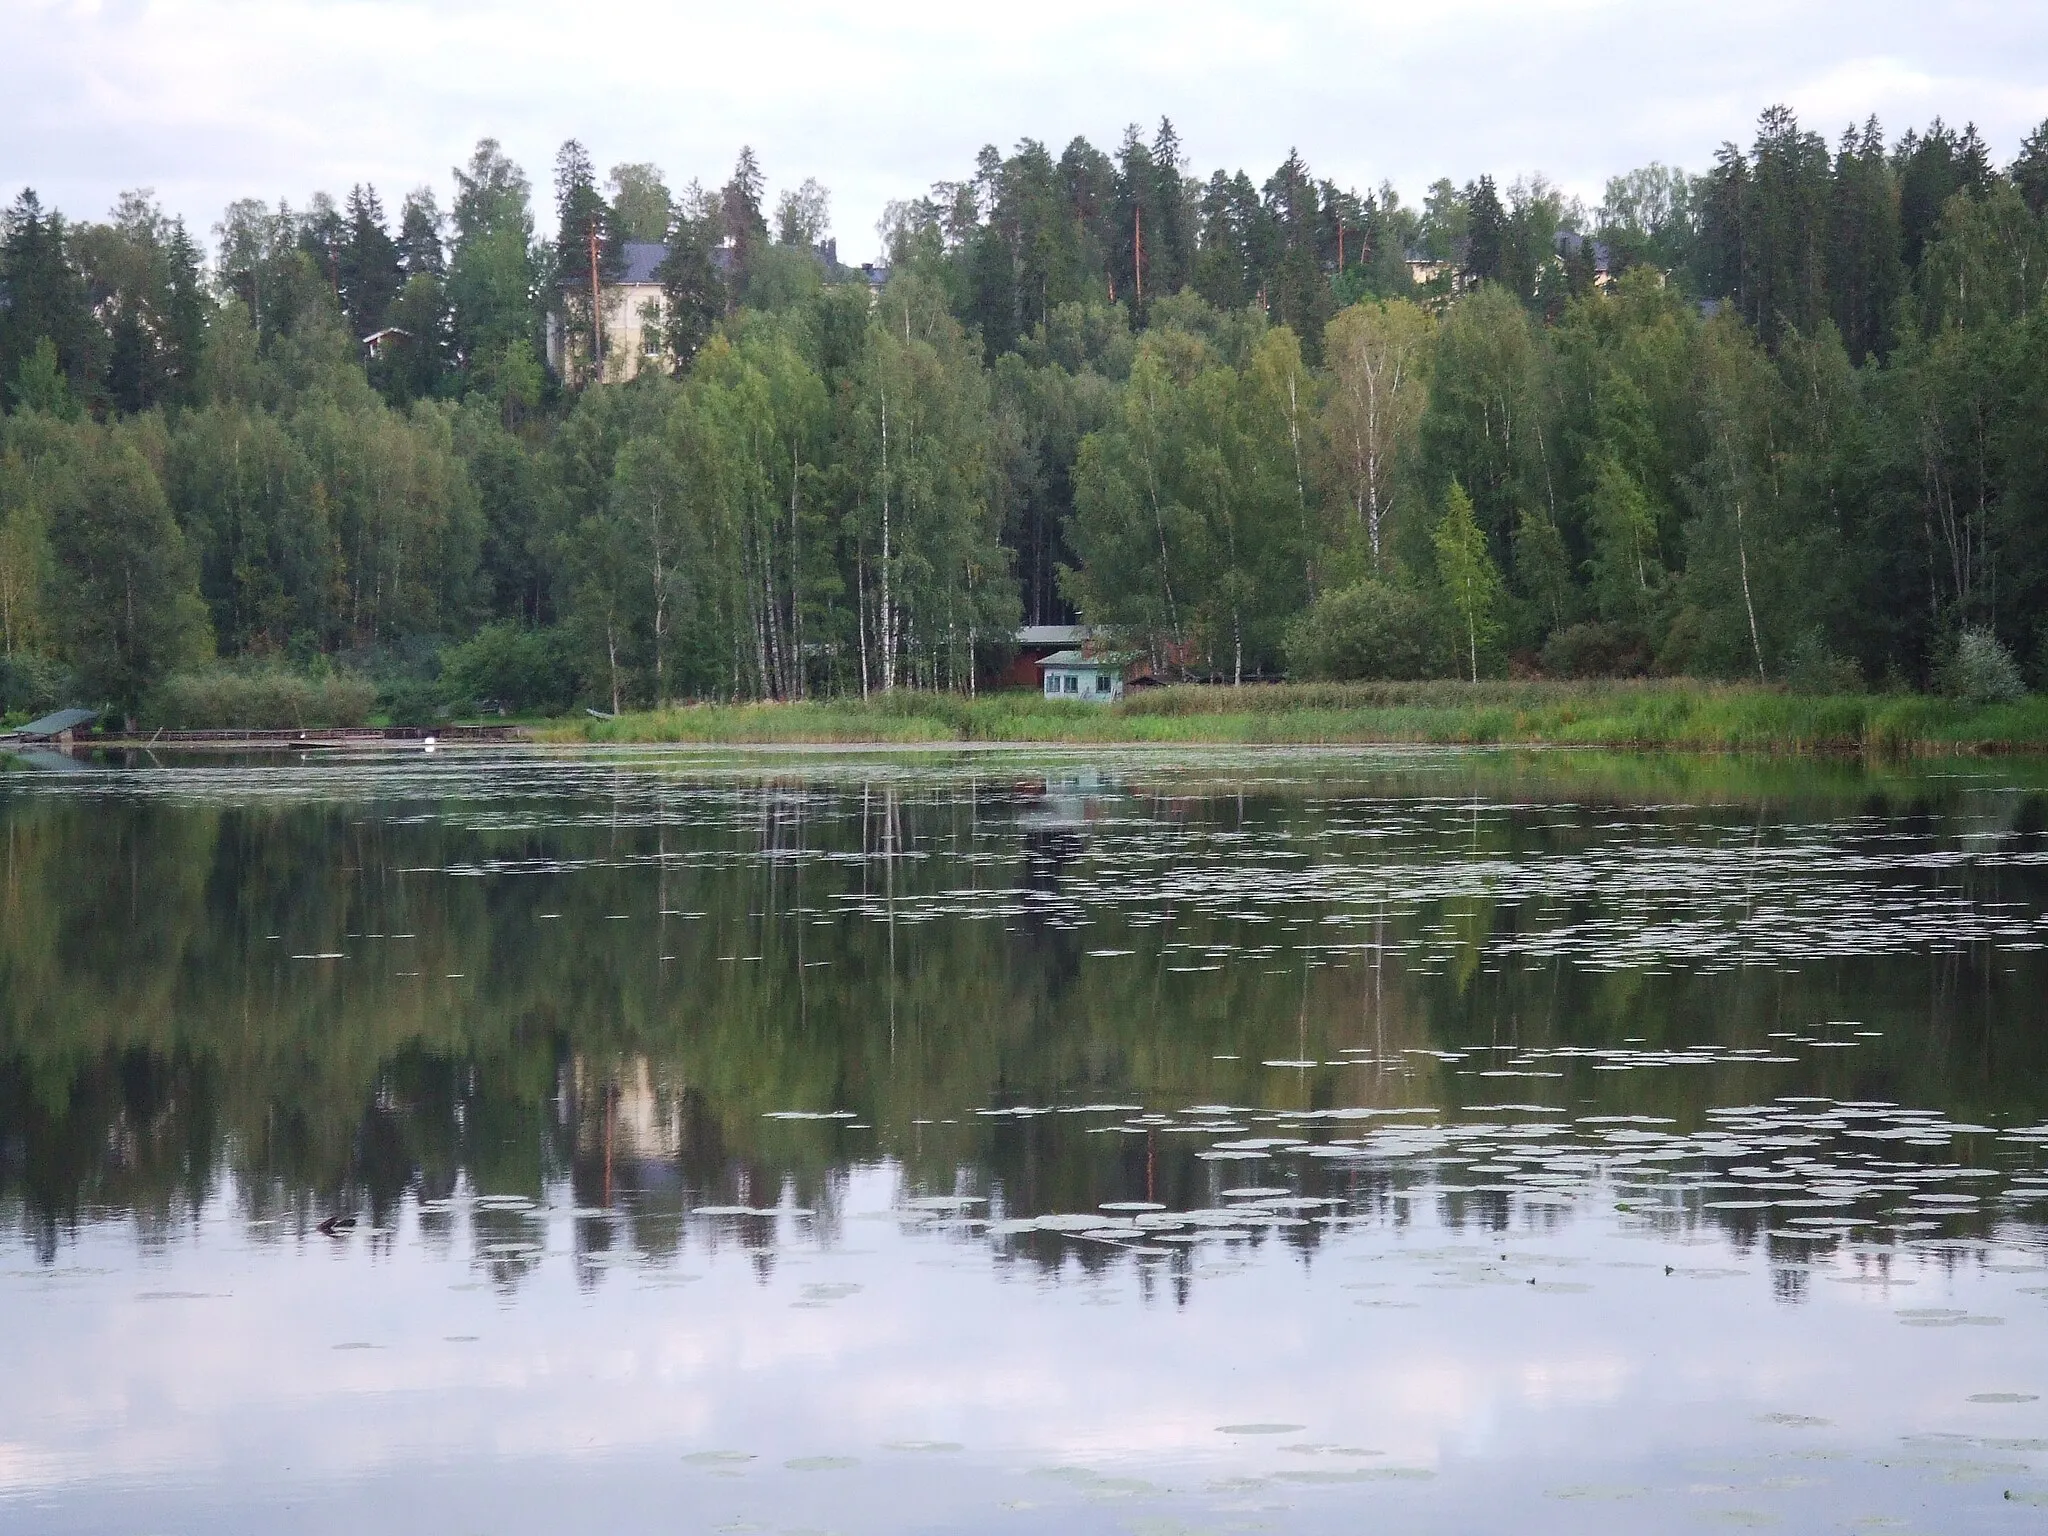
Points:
x=428, y=744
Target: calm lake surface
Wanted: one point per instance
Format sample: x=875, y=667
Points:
x=1056, y=1142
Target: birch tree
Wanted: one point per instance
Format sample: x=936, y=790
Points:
x=1378, y=356
x=1468, y=574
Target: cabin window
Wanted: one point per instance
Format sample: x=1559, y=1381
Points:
x=1102, y=682
x=1071, y=683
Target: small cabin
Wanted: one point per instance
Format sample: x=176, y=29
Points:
x=1094, y=678
x=1035, y=642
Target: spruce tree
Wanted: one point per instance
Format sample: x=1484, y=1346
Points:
x=46, y=297
x=1486, y=233
x=371, y=273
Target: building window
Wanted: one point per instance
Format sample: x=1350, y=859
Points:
x=1071, y=683
x=1102, y=682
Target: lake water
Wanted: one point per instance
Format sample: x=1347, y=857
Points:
x=1112, y=1142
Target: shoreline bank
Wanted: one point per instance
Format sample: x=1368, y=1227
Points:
x=1668, y=716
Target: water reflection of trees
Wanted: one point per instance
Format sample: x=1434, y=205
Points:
x=777, y=952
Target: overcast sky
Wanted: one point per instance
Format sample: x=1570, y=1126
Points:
x=209, y=100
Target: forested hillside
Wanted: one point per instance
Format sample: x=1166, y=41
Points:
x=1785, y=420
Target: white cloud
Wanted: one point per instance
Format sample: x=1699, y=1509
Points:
x=207, y=100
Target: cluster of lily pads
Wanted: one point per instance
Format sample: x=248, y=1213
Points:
x=1801, y=1172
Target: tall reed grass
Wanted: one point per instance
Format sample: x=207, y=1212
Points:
x=1675, y=713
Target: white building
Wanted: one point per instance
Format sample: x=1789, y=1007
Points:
x=1090, y=678
x=630, y=325
x=634, y=309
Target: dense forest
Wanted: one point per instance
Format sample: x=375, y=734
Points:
x=1784, y=420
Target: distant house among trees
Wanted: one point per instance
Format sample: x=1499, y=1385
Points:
x=1034, y=643
x=1424, y=269
x=635, y=303
x=631, y=322
x=1575, y=249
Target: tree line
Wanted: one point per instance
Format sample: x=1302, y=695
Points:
x=1779, y=420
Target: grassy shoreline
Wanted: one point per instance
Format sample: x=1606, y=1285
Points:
x=1665, y=714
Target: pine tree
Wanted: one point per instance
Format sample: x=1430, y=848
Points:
x=584, y=232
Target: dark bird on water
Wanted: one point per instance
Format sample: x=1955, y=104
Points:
x=334, y=1226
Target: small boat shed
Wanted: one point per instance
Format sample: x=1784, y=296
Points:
x=1092, y=677
x=57, y=727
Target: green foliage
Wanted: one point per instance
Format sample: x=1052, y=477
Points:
x=226, y=697
x=1375, y=629
x=1626, y=569
x=493, y=279
x=411, y=700
x=1095, y=389
x=1468, y=574
x=523, y=671
x=39, y=384
x=31, y=685
x=1811, y=666
x=1596, y=650
x=1192, y=519
x=126, y=606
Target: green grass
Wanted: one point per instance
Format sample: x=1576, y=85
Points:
x=1680, y=714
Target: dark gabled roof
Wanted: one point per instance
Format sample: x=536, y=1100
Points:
x=1569, y=242
x=1461, y=249
x=640, y=262
x=642, y=258
x=1057, y=635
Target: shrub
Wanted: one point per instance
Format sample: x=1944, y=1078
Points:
x=408, y=700
x=1976, y=668
x=515, y=668
x=1596, y=650
x=1811, y=667
x=1374, y=630
x=258, y=698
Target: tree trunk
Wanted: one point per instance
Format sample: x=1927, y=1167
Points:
x=888, y=618
x=611, y=647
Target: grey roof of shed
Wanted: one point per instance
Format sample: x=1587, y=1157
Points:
x=53, y=725
x=1055, y=634
x=1101, y=661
